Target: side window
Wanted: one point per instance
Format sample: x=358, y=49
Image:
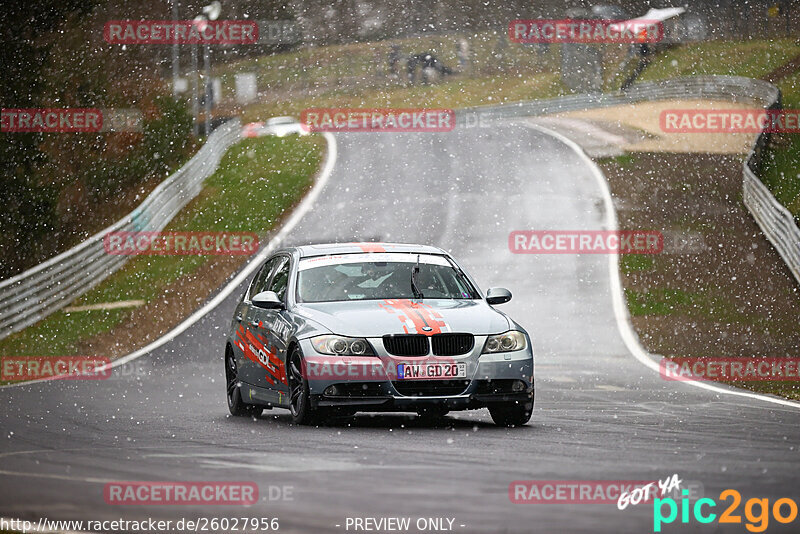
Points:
x=260, y=281
x=280, y=279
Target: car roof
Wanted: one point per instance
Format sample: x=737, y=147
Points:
x=326, y=249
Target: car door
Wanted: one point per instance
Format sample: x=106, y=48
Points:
x=272, y=330
x=247, y=317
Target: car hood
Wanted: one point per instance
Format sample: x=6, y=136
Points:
x=375, y=318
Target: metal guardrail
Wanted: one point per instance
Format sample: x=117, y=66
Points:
x=36, y=293
x=775, y=221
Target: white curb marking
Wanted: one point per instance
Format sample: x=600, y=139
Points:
x=621, y=314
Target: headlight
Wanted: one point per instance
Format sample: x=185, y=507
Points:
x=342, y=346
x=511, y=340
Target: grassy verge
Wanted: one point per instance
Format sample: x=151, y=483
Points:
x=452, y=94
x=718, y=290
x=356, y=75
x=754, y=59
x=781, y=171
x=257, y=182
x=729, y=295
x=358, y=63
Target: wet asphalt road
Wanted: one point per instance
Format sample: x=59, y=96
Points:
x=600, y=414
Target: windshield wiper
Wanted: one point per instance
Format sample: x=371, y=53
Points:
x=414, y=272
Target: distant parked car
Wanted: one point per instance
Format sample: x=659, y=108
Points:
x=609, y=12
x=278, y=126
x=252, y=129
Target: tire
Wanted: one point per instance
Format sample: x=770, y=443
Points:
x=233, y=390
x=299, y=396
x=512, y=414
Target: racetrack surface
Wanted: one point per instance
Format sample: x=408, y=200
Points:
x=600, y=413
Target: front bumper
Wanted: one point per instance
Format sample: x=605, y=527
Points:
x=391, y=403
x=366, y=383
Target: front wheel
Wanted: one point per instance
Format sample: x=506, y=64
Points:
x=299, y=398
x=236, y=405
x=512, y=414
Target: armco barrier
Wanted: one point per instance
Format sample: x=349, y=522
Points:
x=48, y=287
x=773, y=218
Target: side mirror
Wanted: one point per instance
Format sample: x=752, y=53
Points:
x=267, y=300
x=498, y=295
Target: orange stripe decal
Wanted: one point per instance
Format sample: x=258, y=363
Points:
x=424, y=319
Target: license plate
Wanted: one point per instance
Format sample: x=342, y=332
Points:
x=426, y=371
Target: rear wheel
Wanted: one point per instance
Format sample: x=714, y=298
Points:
x=236, y=405
x=513, y=413
x=299, y=397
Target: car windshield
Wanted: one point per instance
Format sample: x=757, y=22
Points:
x=331, y=280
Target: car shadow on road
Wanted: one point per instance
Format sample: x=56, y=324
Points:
x=385, y=421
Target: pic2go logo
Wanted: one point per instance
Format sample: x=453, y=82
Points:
x=758, y=522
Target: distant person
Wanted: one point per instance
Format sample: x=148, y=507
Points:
x=210, y=92
x=428, y=61
x=500, y=47
x=543, y=47
x=645, y=54
x=462, y=52
x=394, y=59
x=379, y=64
x=411, y=68
x=430, y=67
